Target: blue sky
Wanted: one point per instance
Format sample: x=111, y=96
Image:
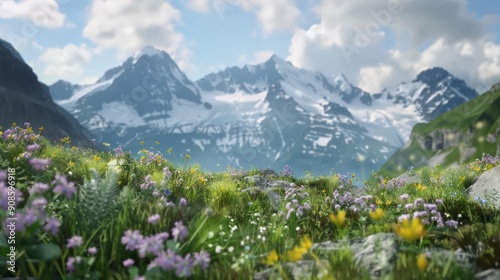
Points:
x=376, y=44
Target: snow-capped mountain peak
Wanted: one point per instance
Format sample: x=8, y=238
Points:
x=148, y=51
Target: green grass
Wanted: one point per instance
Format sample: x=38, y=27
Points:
x=479, y=116
x=238, y=230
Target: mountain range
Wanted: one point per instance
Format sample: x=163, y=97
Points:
x=266, y=115
x=25, y=99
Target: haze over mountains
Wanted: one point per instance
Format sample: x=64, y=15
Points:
x=265, y=115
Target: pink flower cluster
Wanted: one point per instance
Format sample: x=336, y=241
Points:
x=167, y=260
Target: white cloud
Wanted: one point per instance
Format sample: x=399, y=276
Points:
x=43, y=13
x=374, y=78
x=276, y=15
x=352, y=38
x=65, y=62
x=136, y=24
x=273, y=16
x=199, y=5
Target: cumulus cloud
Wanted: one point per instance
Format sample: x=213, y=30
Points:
x=43, y=13
x=273, y=16
x=199, y=5
x=136, y=24
x=352, y=37
x=276, y=15
x=65, y=62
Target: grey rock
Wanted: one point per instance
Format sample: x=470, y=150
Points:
x=490, y=274
x=376, y=253
x=257, y=181
x=274, y=198
x=303, y=269
x=261, y=184
x=488, y=186
x=465, y=259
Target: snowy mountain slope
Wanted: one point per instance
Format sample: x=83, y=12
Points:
x=265, y=115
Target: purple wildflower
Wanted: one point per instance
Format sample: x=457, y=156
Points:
x=148, y=182
x=202, y=259
x=404, y=197
x=128, y=262
x=40, y=163
x=420, y=214
x=179, y=232
x=404, y=217
x=451, y=223
x=183, y=202
x=430, y=206
x=167, y=172
x=39, y=188
x=75, y=241
x=52, y=225
x=92, y=250
x=39, y=203
x=153, y=245
x=132, y=240
x=418, y=201
x=154, y=219
x=63, y=186
x=166, y=260
x=184, y=266
x=71, y=261
x=118, y=151
x=32, y=148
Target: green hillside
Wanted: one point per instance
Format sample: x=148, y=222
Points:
x=457, y=136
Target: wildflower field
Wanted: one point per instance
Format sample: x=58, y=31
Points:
x=76, y=213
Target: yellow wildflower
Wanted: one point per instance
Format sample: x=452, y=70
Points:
x=97, y=158
x=377, y=215
x=410, y=231
x=388, y=202
x=306, y=243
x=106, y=144
x=339, y=219
x=421, y=187
x=141, y=143
x=272, y=258
x=295, y=254
x=422, y=262
x=156, y=142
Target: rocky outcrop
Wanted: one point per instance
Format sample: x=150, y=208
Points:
x=266, y=186
x=441, y=139
x=495, y=87
x=487, y=187
x=377, y=255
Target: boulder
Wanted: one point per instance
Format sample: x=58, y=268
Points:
x=490, y=274
x=487, y=187
x=261, y=184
